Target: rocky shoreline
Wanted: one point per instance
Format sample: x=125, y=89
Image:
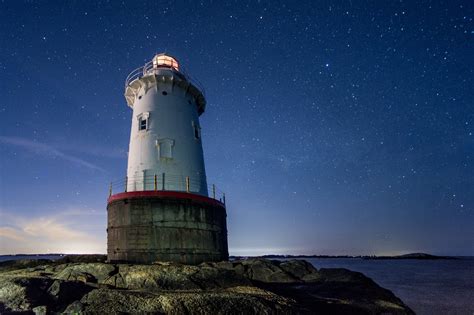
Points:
x=88, y=285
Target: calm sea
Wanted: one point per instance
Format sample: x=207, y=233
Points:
x=427, y=286
x=16, y=257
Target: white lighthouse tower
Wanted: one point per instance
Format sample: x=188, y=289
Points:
x=165, y=139
x=164, y=209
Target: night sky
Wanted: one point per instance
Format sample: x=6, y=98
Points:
x=333, y=127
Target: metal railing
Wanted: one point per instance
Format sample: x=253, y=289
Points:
x=166, y=182
x=150, y=69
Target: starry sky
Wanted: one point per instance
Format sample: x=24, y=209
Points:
x=342, y=127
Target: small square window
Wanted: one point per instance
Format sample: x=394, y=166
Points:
x=142, y=124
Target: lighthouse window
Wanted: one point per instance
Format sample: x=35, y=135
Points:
x=142, y=124
x=143, y=121
x=197, y=131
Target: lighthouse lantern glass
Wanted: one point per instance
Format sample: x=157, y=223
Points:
x=167, y=61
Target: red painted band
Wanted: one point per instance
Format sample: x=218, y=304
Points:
x=164, y=194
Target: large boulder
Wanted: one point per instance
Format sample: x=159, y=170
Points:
x=85, y=272
x=244, y=300
x=23, y=293
x=250, y=286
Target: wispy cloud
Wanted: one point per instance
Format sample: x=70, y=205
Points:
x=95, y=150
x=47, y=151
x=10, y=233
x=58, y=233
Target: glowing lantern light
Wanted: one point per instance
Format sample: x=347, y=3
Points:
x=163, y=60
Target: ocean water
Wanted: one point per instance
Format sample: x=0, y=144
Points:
x=16, y=257
x=426, y=286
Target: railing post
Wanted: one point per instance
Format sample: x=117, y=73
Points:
x=187, y=183
x=163, y=181
x=223, y=197
x=213, y=191
x=155, y=182
x=110, y=189
x=126, y=183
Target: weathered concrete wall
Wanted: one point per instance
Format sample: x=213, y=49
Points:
x=144, y=230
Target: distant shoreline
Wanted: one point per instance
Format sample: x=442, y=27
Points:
x=416, y=256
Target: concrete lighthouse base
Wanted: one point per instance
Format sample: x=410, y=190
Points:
x=149, y=226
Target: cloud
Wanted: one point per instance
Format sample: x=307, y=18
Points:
x=11, y=233
x=92, y=149
x=70, y=232
x=47, y=151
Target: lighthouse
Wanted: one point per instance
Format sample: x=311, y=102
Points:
x=164, y=209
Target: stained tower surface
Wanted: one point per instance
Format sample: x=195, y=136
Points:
x=164, y=210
